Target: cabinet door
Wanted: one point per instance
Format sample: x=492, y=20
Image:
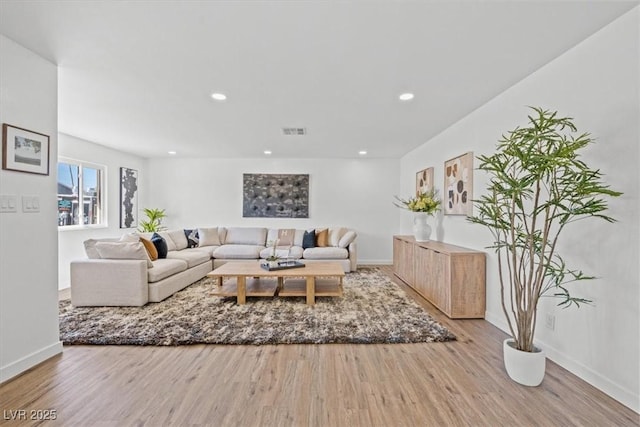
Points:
x=403, y=260
x=440, y=281
x=422, y=272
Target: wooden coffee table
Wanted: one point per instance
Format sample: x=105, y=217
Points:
x=314, y=279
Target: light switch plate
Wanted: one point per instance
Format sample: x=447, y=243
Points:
x=8, y=203
x=30, y=204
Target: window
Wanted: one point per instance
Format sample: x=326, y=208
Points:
x=80, y=193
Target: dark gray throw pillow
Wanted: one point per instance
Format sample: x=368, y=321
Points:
x=160, y=244
x=192, y=238
x=309, y=239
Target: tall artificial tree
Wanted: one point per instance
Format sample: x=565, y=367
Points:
x=538, y=186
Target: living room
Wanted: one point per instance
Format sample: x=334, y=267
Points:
x=592, y=77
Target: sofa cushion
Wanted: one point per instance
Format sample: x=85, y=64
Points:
x=208, y=249
x=165, y=267
x=322, y=237
x=179, y=239
x=193, y=257
x=123, y=250
x=335, y=234
x=309, y=239
x=238, y=252
x=208, y=237
x=171, y=246
x=347, y=238
x=293, y=252
x=246, y=236
x=325, y=253
x=160, y=244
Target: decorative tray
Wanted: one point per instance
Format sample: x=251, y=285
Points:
x=283, y=266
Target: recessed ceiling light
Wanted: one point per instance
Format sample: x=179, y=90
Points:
x=362, y=152
x=172, y=152
x=219, y=96
x=267, y=152
x=406, y=96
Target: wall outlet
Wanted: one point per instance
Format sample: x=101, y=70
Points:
x=550, y=321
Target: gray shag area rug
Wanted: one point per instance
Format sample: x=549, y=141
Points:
x=372, y=310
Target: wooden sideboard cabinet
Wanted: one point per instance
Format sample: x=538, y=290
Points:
x=450, y=277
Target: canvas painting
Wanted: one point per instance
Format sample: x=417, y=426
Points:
x=128, y=198
x=275, y=196
x=424, y=181
x=458, y=185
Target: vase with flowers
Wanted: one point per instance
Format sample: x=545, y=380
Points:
x=425, y=204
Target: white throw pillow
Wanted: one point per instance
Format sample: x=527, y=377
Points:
x=130, y=237
x=208, y=237
x=335, y=234
x=179, y=238
x=90, y=249
x=346, y=240
x=123, y=250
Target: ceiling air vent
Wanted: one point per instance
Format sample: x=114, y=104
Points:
x=294, y=131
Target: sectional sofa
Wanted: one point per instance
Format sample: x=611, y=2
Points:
x=122, y=272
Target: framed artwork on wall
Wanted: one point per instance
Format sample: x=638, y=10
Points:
x=458, y=185
x=275, y=195
x=128, y=198
x=424, y=181
x=24, y=150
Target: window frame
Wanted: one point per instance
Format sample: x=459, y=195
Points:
x=101, y=190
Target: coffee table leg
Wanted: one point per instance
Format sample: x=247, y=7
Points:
x=242, y=289
x=311, y=290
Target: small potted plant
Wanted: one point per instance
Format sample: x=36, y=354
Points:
x=272, y=259
x=425, y=204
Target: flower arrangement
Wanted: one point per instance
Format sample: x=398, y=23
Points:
x=426, y=202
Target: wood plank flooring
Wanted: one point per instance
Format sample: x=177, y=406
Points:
x=460, y=383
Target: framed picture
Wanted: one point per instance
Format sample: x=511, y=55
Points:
x=275, y=195
x=128, y=198
x=424, y=181
x=24, y=150
x=458, y=185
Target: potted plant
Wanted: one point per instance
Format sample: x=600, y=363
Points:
x=153, y=222
x=272, y=259
x=424, y=205
x=538, y=185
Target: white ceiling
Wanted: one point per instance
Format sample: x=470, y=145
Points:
x=137, y=75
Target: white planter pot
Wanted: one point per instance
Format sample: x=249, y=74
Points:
x=523, y=367
x=421, y=229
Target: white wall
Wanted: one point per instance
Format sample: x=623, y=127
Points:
x=70, y=240
x=596, y=83
x=355, y=193
x=28, y=241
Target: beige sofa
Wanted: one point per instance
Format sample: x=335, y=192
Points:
x=118, y=271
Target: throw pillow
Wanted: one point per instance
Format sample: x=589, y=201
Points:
x=335, y=234
x=130, y=237
x=285, y=237
x=179, y=240
x=322, y=238
x=90, y=249
x=123, y=250
x=309, y=239
x=208, y=237
x=150, y=248
x=192, y=238
x=160, y=244
x=346, y=240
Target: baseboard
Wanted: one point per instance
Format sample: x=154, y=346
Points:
x=375, y=262
x=29, y=361
x=621, y=394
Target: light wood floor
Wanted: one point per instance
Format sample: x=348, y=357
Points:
x=457, y=383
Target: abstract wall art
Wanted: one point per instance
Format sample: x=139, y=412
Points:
x=424, y=181
x=128, y=198
x=458, y=185
x=275, y=196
